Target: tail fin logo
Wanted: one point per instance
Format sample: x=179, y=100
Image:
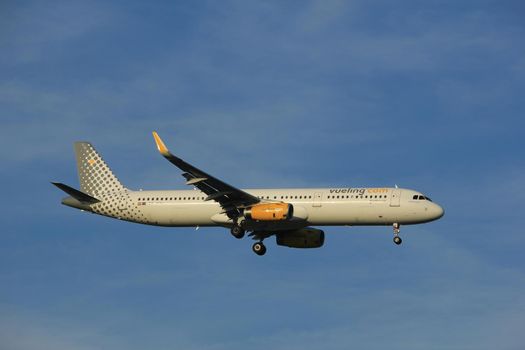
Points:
x=95, y=177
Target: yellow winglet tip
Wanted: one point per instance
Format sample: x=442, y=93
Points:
x=160, y=145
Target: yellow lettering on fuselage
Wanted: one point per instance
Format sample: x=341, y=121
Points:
x=377, y=190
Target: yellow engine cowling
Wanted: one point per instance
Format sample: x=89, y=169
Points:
x=269, y=212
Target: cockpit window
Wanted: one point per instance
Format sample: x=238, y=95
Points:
x=421, y=198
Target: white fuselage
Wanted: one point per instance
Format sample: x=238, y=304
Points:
x=312, y=206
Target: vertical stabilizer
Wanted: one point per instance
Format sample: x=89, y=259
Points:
x=95, y=176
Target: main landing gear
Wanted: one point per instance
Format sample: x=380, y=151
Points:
x=397, y=239
x=259, y=248
x=237, y=230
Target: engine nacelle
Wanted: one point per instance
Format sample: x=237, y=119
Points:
x=303, y=238
x=269, y=212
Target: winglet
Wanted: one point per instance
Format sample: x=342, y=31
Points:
x=160, y=145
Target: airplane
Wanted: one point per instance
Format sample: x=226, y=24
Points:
x=286, y=213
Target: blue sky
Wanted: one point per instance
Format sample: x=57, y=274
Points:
x=426, y=95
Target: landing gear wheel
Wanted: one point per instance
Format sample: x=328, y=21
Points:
x=397, y=240
x=396, y=227
x=237, y=232
x=259, y=248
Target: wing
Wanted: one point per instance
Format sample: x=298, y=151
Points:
x=230, y=198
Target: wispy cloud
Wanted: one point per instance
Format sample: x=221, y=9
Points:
x=34, y=31
x=264, y=94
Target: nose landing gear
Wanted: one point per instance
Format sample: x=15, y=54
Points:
x=397, y=239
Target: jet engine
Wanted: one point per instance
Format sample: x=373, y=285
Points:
x=303, y=238
x=269, y=212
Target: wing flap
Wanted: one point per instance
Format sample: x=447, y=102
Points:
x=195, y=180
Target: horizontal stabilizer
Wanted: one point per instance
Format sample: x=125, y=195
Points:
x=80, y=196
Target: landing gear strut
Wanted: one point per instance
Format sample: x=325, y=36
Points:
x=259, y=248
x=397, y=239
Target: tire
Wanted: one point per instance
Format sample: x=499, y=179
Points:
x=397, y=240
x=259, y=248
x=237, y=232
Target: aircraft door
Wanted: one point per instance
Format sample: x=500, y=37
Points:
x=395, y=200
x=124, y=202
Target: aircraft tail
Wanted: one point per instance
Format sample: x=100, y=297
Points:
x=95, y=176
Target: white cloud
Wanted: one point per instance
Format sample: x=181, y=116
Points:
x=29, y=331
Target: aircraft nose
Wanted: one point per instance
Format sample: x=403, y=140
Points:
x=438, y=211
